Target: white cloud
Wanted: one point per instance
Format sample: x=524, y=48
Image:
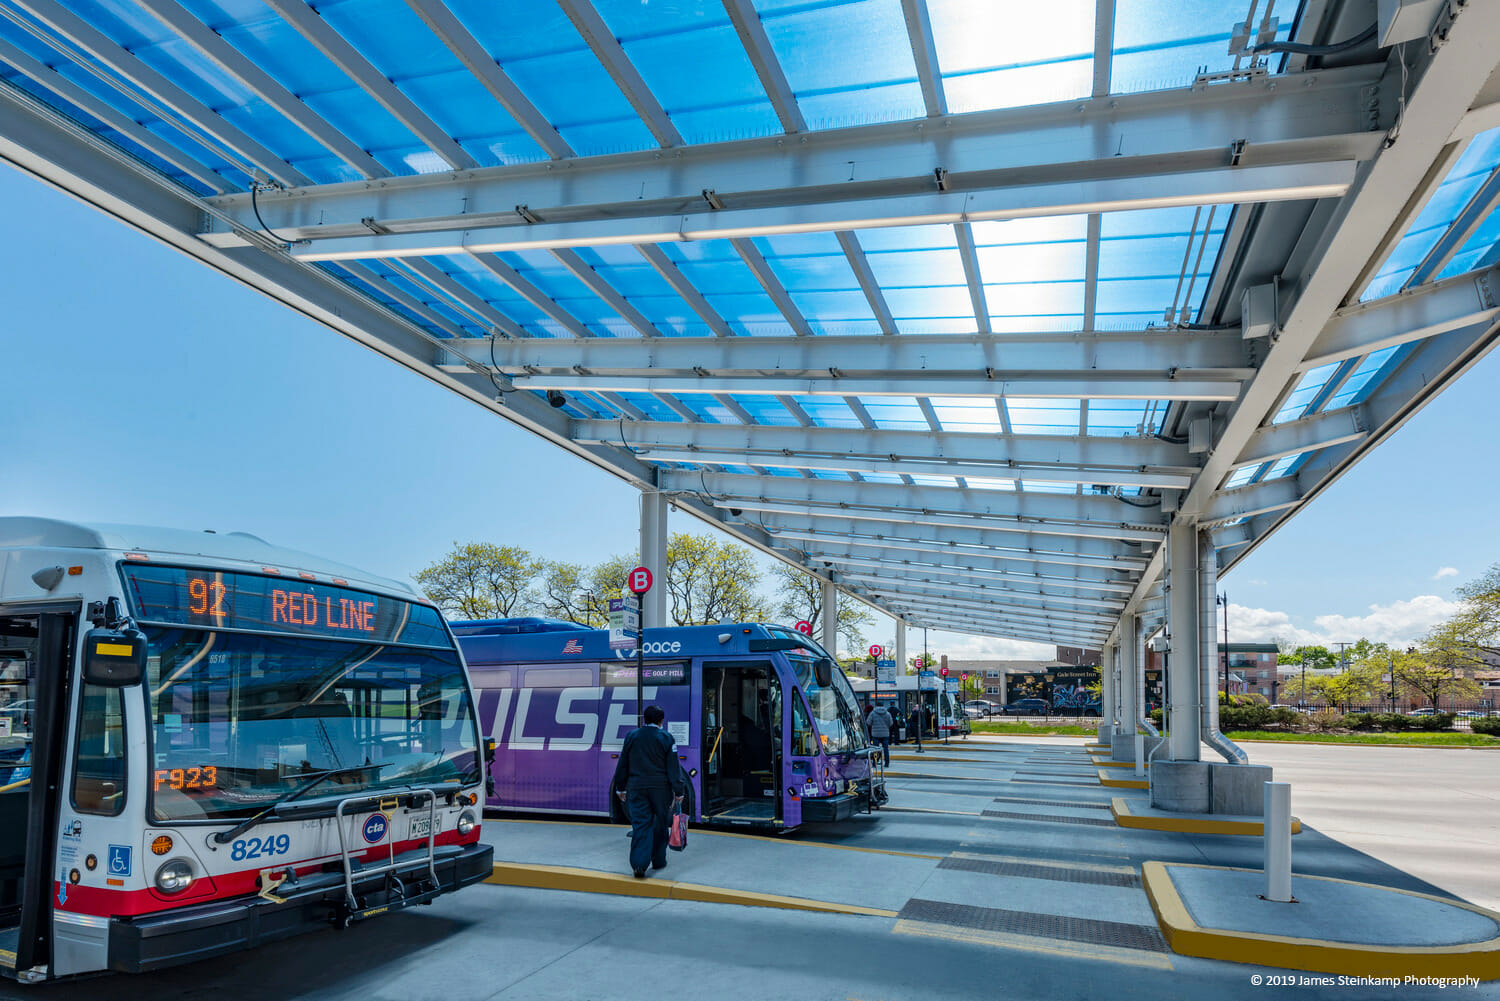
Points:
x=1445, y=572
x=1399, y=623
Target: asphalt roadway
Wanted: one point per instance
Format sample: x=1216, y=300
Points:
x=1010, y=882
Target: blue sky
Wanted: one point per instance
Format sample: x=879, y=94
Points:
x=144, y=387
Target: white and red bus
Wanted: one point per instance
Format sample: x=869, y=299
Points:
x=208, y=742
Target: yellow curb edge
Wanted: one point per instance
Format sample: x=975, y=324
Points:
x=558, y=877
x=1187, y=938
x=1105, y=779
x=1185, y=824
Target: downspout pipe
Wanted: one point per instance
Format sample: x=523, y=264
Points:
x=1208, y=654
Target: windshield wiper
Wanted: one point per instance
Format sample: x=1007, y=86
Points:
x=224, y=837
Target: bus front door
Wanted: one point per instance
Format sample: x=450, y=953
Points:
x=741, y=743
x=36, y=654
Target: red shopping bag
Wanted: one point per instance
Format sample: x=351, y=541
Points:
x=677, y=831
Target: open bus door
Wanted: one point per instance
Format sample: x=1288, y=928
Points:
x=742, y=753
x=36, y=645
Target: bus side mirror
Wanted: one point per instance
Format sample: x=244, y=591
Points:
x=823, y=672
x=489, y=750
x=114, y=658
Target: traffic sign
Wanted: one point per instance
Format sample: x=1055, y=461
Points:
x=943, y=671
x=804, y=627
x=638, y=580
x=963, y=677
x=918, y=663
x=876, y=650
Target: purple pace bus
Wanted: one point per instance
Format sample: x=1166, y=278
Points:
x=767, y=727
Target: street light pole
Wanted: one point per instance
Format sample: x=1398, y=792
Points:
x=1302, y=695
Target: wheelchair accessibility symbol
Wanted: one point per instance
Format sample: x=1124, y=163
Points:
x=119, y=860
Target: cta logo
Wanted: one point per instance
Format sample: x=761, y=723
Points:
x=375, y=827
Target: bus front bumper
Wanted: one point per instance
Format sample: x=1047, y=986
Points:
x=198, y=931
x=831, y=809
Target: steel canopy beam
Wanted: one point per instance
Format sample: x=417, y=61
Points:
x=995, y=198
x=902, y=598
x=1160, y=352
x=1211, y=386
x=839, y=514
x=1047, y=587
x=869, y=553
x=1276, y=441
x=1003, y=543
x=1123, y=151
x=1037, y=451
x=896, y=497
x=1414, y=315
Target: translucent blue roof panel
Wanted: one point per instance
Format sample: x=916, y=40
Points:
x=848, y=62
x=572, y=295
x=988, y=483
x=483, y=283
x=1153, y=261
x=652, y=407
x=828, y=411
x=999, y=55
x=1033, y=272
x=766, y=410
x=1242, y=476
x=1164, y=45
x=706, y=408
x=540, y=50
x=729, y=286
x=1307, y=390
x=1367, y=376
x=1048, y=487
x=922, y=276
x=895, y=413
x=1481, y=250
x=820, y=281
x=1042, y=416
x=1281, y=467
x=966, y=413
x=1116, y=418
x=1465, y=178
x=693, y=62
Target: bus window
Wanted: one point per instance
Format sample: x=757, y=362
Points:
x=555, y=677
x=803, y=744
x=99, y=756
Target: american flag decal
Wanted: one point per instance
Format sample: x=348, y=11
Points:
x=573, y=646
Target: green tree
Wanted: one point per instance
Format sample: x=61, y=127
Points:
x=711, y=581
x=1316, y=656
x=799, y=596
x=1479, y=614
x=1422, y=674
x=480, y=580
x=1363, y=682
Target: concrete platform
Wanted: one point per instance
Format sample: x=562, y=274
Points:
x=1332, y=926
x=1117, y=781
x=1143, y=816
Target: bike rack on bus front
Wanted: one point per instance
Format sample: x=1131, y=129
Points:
x=390, y=865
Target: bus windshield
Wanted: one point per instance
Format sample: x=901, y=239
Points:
x=834, y=708
x=238, y=719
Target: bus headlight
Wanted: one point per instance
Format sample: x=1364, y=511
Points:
x=174, y=876
x=465, y=823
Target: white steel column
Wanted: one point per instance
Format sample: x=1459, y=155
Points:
x=654, y=556
x=829, y=634
x=900, y=647
x=1128, y=661
x=1108, y=661
x=1183, y=687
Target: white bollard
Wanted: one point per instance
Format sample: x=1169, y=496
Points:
x=1278, y=841
x=1140, y=755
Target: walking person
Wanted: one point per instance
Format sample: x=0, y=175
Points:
x=879, y=724
x=648, y=780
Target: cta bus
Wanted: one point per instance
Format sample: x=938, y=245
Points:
x=767, y=728
x=207, y=743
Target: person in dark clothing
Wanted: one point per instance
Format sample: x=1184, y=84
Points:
x=879, y=724
x=914, y=726
x=648, y=780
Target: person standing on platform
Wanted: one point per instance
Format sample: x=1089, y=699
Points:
x=649, y=781
x=914, y=726
x=879, y=724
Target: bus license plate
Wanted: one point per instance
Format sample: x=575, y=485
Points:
x=421, y=826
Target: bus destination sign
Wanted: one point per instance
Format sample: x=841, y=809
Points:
x=225, y=600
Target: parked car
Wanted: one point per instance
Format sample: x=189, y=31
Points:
x=1422, y=712
x=1469, y=714
x=1027, y=707
x=985, y=706
x=974, y=712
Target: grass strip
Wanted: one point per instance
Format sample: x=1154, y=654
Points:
x=1063, y=729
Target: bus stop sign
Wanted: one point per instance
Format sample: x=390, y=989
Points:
x=638, y=580
x=876, y=651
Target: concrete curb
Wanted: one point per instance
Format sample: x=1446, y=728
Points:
x=1350, y=743
x=1106, y=779
x=558, y=877
x=1188, y=938
x=1184, y=823
x=946, y=778
x=1107, y=763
